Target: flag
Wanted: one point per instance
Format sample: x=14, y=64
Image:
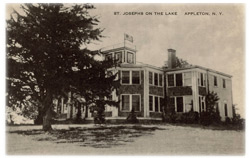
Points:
x=128, y=37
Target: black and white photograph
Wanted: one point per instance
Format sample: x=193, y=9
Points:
x=157, y=79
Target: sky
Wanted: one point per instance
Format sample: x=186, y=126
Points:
x=216, y=42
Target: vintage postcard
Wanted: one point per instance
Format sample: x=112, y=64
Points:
x=125, y=79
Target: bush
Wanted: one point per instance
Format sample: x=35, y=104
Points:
x=178, y=118
x=205, y=118
x=170, y=117
x=238, y=122
x=191, y=117
x=132, y=118
x=99, y=117
x=228, y=121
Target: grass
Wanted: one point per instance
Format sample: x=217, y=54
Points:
x=97, y=137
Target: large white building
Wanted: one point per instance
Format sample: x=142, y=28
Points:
x=143, y=87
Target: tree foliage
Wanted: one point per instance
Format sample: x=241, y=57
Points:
x=45, y=59
x=211, y=115
x=180, y=63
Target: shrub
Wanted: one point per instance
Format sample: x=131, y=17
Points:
x=205, y=118
x=98, y=114
x=170, y=117
x=178, y=118
x=191, y=117
x=212, y=114
x=99, y=117
x=228, y=121
x=238, y=122
x=132, y=118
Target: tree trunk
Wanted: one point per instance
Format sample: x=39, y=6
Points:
x=47, y=120
x=48, y=104
x=86, y=111
x=71, y=110
x=79, y=112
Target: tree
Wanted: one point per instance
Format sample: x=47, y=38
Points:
x=211, y=102
x=212, y=110
x=45, y=59
x=180, y=63
x=237, y=120
x=169, y=110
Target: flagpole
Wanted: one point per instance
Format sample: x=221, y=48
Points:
x=124, y=40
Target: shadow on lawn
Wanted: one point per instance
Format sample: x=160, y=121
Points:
x=97, y=137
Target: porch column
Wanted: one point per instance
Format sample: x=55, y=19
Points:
x=62, y=105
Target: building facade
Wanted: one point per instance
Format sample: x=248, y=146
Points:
x=143, y=87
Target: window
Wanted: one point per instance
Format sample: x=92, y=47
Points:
x=160, y=79
x=125, y=102
x=171, y=80
x=130, y=101
x=202, y=80
x=150, y=103
x=179, y=104
x=130, y=58
x=178, y=79
x=224, y=83
x=156, y=79
x=161, y=104
x=199, y=104
x=136, y=102
x=108, y=57
x=202, y=106
x=118, y=57
x=188, y=103
x=150, y=78
x=215, y=81
x=225, y=106
x=156, y=104
x=135, y=77
x=130, y=77
x=125, y=77
x=187, y=79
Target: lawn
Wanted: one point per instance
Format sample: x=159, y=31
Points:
x=123, y=140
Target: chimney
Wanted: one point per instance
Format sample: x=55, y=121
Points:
x=171, y=58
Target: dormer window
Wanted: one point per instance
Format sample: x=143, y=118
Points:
x=130, y=58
